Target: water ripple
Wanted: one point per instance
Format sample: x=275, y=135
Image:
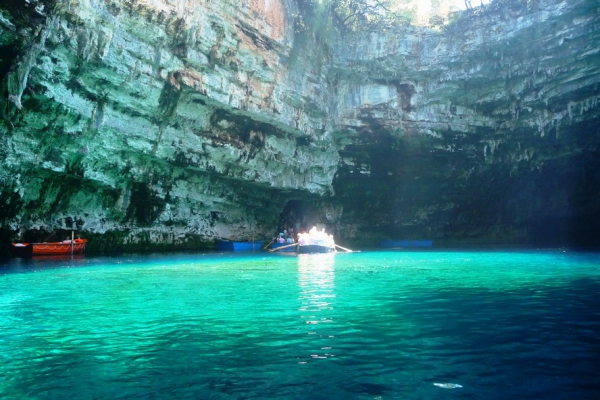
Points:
x=366, y=325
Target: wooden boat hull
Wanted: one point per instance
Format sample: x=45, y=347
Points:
x=314, y=248
x=48, y=249
x=223, y=245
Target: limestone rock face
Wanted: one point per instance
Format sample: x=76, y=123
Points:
x=158, y=121
x=485, y=131
x=169, y=123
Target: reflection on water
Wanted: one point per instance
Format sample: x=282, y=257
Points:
x=38, y=263
x=316, y=283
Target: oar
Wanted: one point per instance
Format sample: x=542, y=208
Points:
x=264, y=248
x=343, y=248
x=283, y=247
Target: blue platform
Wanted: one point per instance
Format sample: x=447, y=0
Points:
x=239, y=246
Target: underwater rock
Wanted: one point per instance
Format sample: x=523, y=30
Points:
x=448, y=385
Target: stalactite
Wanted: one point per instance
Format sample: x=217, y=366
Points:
x=15, y=82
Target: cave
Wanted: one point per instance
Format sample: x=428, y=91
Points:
x=477, y=127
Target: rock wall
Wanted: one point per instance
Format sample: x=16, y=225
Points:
x=148, y=124
x=484, y=131
x=158, y=122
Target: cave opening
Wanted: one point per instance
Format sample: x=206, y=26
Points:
x=295, y=215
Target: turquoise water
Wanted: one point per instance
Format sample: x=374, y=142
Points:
x=370, y=325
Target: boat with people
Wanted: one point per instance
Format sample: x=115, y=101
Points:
x=283, y=242
x=66, y=247
x=315, y=241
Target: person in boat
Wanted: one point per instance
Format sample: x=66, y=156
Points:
x=280, y=239
x=330, y=241
x=301, y=239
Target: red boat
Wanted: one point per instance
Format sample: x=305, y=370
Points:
x=65, y=247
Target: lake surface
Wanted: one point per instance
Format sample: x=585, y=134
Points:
x=370, y=325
